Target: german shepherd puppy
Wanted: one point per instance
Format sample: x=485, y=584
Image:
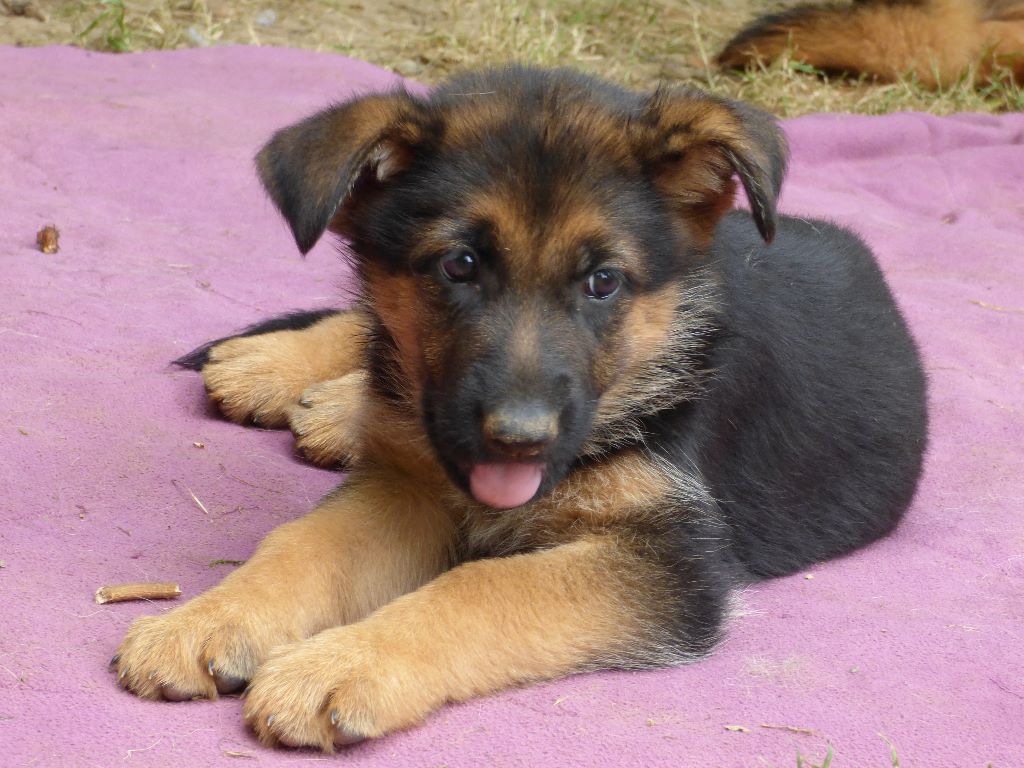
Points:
x=581, y=401
x=937, y=42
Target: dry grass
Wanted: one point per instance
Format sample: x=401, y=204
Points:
x=637, y=43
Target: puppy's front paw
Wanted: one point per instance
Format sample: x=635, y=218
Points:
x=336, y=688
x=256, y=378
x=327, y=420
x=206, y=647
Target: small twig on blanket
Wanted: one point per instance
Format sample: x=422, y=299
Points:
x=48, y=239
x=223, y=561
x=789, y=728
x=131, y=752
x=194, y=498
x=150, y=590
x=996, y=307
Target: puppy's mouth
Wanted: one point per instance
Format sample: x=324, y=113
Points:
x=505, y=485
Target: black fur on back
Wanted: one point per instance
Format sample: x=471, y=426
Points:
x=811, y=433
x=779, y=23
x=786, y=22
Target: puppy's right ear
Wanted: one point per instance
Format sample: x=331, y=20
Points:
x=316, y=170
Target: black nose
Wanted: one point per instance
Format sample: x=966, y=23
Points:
x=520, y=431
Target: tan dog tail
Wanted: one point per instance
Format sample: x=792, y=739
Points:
x=935, y=41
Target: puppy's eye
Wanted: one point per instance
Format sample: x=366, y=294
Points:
x=459, y=265
x=602, y=284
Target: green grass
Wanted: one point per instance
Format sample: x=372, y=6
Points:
x=108, y=30
x=118, y=26
x=826, y=762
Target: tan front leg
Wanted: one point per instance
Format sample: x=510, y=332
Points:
x=481, y=627
x=364, y=545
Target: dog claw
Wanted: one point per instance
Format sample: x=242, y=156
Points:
x=112, y=664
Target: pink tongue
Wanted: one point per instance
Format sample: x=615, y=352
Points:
x=504, y=485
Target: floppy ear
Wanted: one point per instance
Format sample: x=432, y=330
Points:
x=692, y=144
x=315, y=170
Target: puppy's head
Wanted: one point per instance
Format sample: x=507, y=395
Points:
x=529, y=241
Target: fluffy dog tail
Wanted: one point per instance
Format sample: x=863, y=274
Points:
x=935, y=40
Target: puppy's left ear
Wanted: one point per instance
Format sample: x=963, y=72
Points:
x=318, y=170
x=692, y=144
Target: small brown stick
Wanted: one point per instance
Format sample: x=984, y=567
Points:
x=151, y=590
x=790, y=728
x=995, y=307
x=48, y=239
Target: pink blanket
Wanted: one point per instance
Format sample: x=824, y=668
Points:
x=112, y=468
